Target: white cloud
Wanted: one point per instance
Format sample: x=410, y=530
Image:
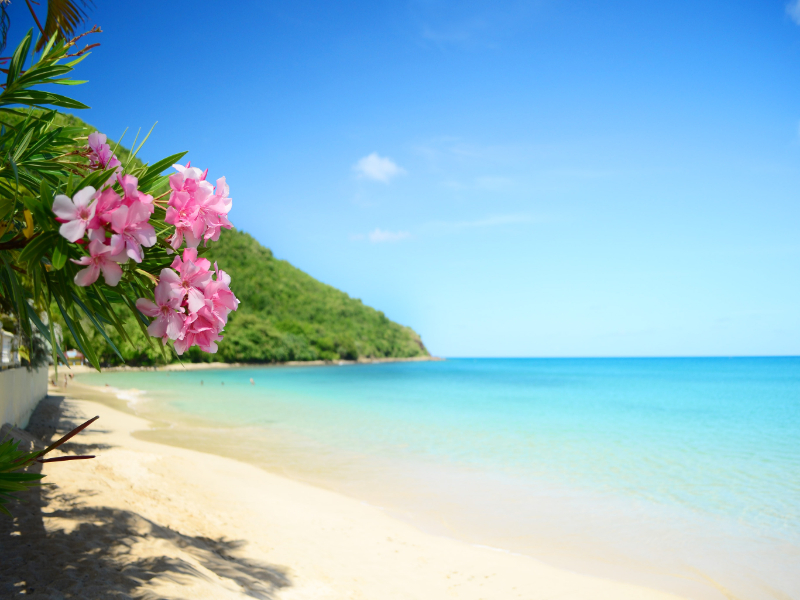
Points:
x=378, y=168
x=491, y=221
x=793, y=10
x=379, y=235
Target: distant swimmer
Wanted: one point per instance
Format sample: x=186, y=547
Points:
x=201, y=382
x=252, y=382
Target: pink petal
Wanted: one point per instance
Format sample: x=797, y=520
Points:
x=145, y=235
x=134, y=251
x=138, y=212
x=182, y=345
x=163, y=293
x=119, y=219
x=73, y=230
x=112, y=272
x=96, y=140
x=174, y=326
x=172, y=216
x=84, y=196
x=64, y=208
x=176, y=240
x=96, y=247
x=170, y=276
x=191, y=240
x=158, y=327
x=87, y=276
x=196, y=300
x=147, y=307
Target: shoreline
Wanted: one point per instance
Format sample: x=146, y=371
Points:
x=326, y=545
x=189, y=366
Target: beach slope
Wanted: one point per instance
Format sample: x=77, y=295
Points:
x=144, y=520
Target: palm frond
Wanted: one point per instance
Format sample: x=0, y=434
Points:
x=64, y=17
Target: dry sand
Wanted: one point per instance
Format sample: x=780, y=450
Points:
x=149, y=521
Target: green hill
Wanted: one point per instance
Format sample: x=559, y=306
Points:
x=284, y=315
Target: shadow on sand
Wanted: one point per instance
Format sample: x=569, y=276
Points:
x=89, y=555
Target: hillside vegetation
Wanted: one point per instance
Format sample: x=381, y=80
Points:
x=284, y=315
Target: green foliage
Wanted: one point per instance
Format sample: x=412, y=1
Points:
x=13, y=460
x=41, y=155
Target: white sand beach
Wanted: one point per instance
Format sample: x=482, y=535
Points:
x=145, y=520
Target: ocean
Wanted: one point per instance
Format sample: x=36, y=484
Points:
x=678, y=473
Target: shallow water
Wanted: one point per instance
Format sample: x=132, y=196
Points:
x=679, y=473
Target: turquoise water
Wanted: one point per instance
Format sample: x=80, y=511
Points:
x=680, y=473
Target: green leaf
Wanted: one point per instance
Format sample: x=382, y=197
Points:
x=96, y=179
x=23, y=144
x=154, y=172
x=18, y=296
x=97, y=325
x=36, y=248
x=38, y=98
x=60, y=253
x=69, y=81
x=18, y=59
x=6, y=205
x=46, y=194
x=77, y=60
x=136, y=151
x=78, y=335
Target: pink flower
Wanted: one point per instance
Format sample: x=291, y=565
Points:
x=196, y=208
x=214, y=211
x=100, y=155
x=99, y=260
x=75, y=214
x=130, y=185
x=219, y=298
x=198, y=330
x=168, y=323
x=182, y=213
x=107, y=202
x=191, y=277
x=131, y=224
x=206, y=319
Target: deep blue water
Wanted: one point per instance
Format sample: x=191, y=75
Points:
x=597, y=448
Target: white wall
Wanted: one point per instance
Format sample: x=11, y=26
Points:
x=20, y=392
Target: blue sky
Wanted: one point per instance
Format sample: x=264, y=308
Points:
x=544, y=178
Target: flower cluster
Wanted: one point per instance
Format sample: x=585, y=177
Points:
x=117, y=227
x=198, y=210
x=191, y=303
x=100, y=155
